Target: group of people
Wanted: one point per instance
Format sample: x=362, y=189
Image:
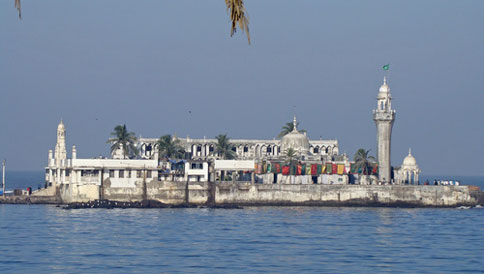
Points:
x=446, y=183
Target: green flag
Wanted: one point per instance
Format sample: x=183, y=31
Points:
x=386, y=67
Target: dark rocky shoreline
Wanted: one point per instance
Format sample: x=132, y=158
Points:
x=141, y=204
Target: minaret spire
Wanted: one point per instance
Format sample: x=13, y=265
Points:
x=60, y=147
x=294, y=124
x=384, y=116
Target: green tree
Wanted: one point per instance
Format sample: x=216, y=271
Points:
x=290, y=154
x=288, y=127
x=223, y=147
x=363, y=161
x=169, y=147
x=125, y=140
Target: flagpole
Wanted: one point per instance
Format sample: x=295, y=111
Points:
x=388, y=73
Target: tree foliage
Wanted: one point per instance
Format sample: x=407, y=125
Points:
x=363, y=160
x=290, y=154
x=288, y=127
x=224, y=148
x=125, y=140
x=169, y=147
x=237, y=13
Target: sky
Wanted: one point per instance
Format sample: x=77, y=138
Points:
x=171, y=67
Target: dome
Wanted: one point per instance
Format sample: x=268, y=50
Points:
x=384, y=89
x=409, y=161
x=295, y=140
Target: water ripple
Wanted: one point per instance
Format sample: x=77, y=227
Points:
x=47, y=239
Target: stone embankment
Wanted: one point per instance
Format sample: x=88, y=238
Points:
x=227, y=194
x=30, y=199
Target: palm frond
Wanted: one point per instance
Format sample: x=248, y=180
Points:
x=19, y=9
x=237, y=13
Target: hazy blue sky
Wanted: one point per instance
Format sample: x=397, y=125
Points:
x=97, y=64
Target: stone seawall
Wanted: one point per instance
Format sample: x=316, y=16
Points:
x=348, y=195
x=228, y=193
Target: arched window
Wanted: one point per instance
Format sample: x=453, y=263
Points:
x=381, y=105
x=316, y=150
x=269, y=149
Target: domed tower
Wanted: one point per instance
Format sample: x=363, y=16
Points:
x=384, y=116
x=295, y=140
x=60, y=147
x=409, y=170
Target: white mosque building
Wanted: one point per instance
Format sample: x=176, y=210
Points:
x=203, y=164
x=251, y=149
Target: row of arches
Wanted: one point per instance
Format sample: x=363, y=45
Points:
x=241, y=150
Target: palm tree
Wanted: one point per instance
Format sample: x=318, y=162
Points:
x=290, y=154
x=125, y=140
x=288, y=127
x=224, y=148
x=170, y=147
x=363, y=161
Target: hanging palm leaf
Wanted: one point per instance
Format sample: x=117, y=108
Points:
x=236, y=10
x=17, y=6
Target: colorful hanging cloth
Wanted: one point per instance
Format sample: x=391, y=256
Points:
x=285, y=170
x=334, y=168
x=375, y=169
x=314, y=169
x=329, y=168
x=308, y=170
x=299, y=170
x=278, y=168
x=341, y=169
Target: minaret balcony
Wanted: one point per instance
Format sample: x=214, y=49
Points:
x=384, y=115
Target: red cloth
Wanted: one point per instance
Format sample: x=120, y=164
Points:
x=314, y=169
x=285, y=170
x=278, y=168
x=334, y=168
x=299, y=169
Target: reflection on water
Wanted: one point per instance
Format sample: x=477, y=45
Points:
x=47, y=239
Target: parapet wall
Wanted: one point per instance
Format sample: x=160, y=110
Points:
x=278, y=194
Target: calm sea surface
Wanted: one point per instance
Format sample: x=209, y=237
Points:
x=48, y=239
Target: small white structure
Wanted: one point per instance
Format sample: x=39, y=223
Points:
x=409, y=171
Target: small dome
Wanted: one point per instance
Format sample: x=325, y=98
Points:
x=295, y=140
x=384, y=89
x=409, y=161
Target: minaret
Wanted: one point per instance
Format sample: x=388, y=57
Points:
x=384, y=116
x=60, y=147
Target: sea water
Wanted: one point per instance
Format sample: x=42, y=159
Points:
x=49, y=239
